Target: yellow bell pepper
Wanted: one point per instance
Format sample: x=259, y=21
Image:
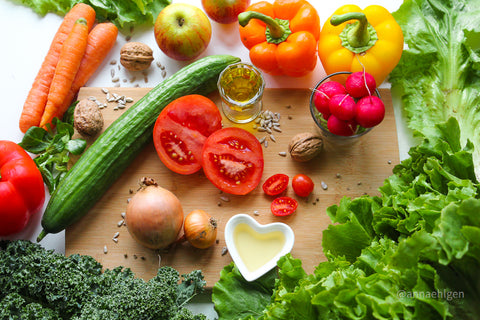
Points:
x=353, y=39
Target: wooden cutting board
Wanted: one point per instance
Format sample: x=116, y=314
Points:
x=351, y=171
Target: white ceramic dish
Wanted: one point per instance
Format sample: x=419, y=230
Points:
x=251, y=275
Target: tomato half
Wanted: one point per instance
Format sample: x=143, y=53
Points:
x=276, y=184
x=181, y=130
x=302, y=185
x=233, y=160
x=283, y=206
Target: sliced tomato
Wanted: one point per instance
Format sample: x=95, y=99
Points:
x=276, y=184
x=233, y=160
x=181, y=130
x=283, y=206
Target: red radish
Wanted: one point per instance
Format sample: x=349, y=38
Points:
x=323, y=94
x=360, y=84
x=342, y=106
x=370, y=111
x=340, y=127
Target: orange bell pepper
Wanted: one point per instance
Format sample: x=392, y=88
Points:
x=282, y=37
x=373, y=42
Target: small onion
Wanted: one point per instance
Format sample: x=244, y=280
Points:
x=200, y=229
x=154, y=216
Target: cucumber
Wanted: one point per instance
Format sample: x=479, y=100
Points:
x=113, y=151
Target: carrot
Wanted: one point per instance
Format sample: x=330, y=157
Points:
x=37, y=97
x=71, y=56
x=100, y=41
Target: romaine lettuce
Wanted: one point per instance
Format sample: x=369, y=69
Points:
x=124, y=14
x=438, y=75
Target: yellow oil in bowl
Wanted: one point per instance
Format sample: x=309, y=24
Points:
x=255, y=248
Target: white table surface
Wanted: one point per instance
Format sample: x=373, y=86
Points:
x=26, y=38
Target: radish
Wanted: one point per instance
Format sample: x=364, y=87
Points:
x=340, y=127
x=323, y=94
x=360, y=84
x=342, y=106
x=370, y=111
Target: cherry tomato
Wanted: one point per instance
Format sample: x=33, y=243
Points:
x=233, y=160
x=276, y=184
x=181, y=130
x=283, y=206
x=302, y=185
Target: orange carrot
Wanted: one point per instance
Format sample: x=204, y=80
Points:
x=100, y=41
x=71, y=56
x=37, y=97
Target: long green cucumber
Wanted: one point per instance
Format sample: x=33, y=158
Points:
x=106, y=159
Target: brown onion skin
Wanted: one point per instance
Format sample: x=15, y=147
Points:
x=200, y=229
x=154, y=217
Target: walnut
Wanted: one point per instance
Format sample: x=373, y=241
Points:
x=87, y=118
x=305, y=146
x=136, y=56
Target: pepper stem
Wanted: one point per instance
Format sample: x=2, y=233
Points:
x=358, y=35
x=42, y=235
x=277, y=31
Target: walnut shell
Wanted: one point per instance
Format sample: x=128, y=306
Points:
x=136, y=56
x=87, y=118
x=305, y=146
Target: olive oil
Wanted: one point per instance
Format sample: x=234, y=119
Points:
x=256, y=248
x=241, y=88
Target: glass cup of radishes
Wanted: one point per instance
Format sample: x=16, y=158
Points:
x=346, y=106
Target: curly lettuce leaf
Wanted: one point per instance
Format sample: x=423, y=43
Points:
x=124, y=14
x=438, y=74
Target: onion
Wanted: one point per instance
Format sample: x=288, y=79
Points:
x=200, y=229
x=154, y=216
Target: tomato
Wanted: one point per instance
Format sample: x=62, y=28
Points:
x=283, y=206
x=181, y=130
x=302, y=185
x=233, y=160
x=22, y=191
x=276, y=184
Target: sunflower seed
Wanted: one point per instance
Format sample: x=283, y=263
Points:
x=282, y=153
x=120, y=223
x=324, y=185
x=116, y=235
x=105, y=250
x=105, y=90
x=272, y=137
x=224, y=251
x=225, y=198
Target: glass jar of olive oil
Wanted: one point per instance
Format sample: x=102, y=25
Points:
x=241, y=88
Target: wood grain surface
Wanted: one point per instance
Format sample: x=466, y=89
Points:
x=346, y=171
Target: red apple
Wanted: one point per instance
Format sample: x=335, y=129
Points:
x=224, y=11
x=182, y=31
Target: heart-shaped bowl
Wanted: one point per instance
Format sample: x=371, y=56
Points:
x=256, y=248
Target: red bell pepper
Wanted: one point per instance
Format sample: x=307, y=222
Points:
x=22, y=191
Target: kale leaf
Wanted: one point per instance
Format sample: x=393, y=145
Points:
x=40, y=284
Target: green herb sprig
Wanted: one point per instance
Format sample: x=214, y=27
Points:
x=53, y=148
